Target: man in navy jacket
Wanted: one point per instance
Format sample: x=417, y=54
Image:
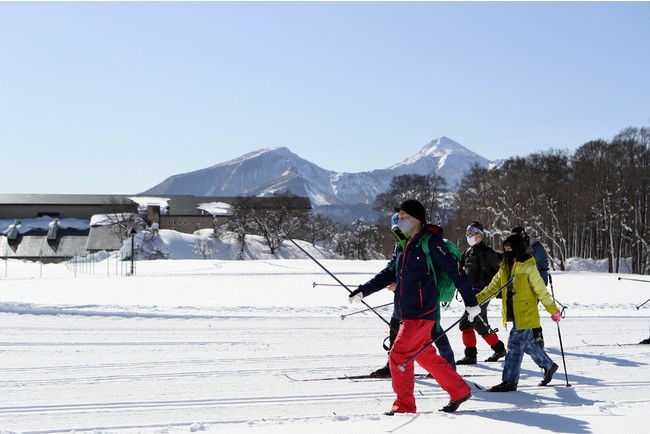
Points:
x=416, y=300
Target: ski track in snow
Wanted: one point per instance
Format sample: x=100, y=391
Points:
x=136, y=389
x=130, y=360
x=161, y=312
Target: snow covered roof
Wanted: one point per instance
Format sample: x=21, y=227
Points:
x=106, y=219
x=24, y=226
x=146, y=201
x=215, y=208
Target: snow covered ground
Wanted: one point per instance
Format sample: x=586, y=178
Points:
x=206, y=346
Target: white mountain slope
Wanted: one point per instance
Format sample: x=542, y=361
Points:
x=268, y=170
x=442, y=156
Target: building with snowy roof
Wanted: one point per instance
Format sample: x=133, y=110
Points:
x=53, y=227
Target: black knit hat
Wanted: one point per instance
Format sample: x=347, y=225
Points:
x=518, y=230
x=517, y=245
x=413, y=208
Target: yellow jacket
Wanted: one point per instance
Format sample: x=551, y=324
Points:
x=529, y=288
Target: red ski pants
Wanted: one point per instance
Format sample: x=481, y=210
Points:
x=412, y=336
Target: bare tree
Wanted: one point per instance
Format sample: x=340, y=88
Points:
x=359, y=242
x=633, y=146
x=320, y=229
x=427, y=189
x=122, y=219
x=241, y=222
x=479, y=198
x=597, y=179
x=274, y=222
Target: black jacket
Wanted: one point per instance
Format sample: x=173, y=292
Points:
x=481, y=263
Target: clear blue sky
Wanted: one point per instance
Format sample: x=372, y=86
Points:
x=100, y=97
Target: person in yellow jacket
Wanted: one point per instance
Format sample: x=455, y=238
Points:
x=519, y=306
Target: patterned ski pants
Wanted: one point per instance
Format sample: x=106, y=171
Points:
x=520, y=342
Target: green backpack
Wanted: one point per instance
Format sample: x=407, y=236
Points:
x=446, y=286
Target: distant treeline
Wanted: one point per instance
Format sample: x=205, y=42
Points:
x=592, y=203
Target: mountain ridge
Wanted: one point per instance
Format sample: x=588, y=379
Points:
x=267, y=170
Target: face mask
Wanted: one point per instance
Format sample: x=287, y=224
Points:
x=471, y=240
x=406, y=225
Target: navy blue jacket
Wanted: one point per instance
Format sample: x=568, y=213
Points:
x=416, y=295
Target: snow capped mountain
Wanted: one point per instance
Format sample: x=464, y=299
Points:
x=258, y=173
x=442, y=156
x=265, y=171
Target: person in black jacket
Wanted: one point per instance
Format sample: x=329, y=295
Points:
x=416, y=301
x=481, y=263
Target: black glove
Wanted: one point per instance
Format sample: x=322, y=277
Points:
x=356, y=296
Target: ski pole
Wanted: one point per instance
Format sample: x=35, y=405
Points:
x=566, y=376
x=636, y=280
x=402, y=367
x=639, y=306
x=353, y=313
x=314, y=285
x=345, y=315
x=334, y=277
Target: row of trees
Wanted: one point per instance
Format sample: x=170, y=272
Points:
x=271, y=223
x=591, y=204
x=360, y=240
